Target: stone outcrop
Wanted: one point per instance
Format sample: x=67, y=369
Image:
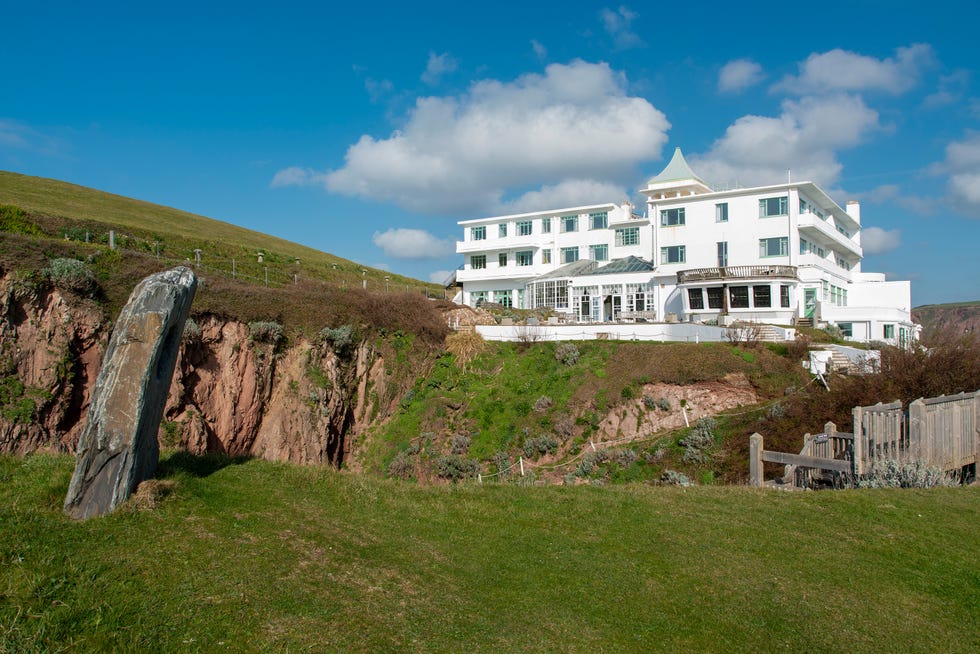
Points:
x=118, y=447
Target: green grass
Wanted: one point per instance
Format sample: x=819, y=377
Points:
x=255, y=556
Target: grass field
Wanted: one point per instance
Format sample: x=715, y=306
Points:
x=254, y=556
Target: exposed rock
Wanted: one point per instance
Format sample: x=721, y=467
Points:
x=118, y=446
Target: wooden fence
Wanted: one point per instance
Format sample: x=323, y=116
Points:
x=941, y=432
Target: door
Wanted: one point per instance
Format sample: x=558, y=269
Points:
x=809, y=302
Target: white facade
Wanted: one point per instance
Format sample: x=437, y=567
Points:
x=769, y=254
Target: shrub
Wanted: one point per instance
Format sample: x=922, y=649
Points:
x=339, y=338
x=699, y=441
x=664, y=403
x=541, y=445
x=14, y=220
x=192, y=331
x=501, y=460
x=743, y=333
x=674, y=478
x=71, y=275
x=627, y=392
x=402, y=466
x=543, y=403
x=649, y=402
x=625, y=458
x=567, y=353
x=265, y=332
x=565, y=427
x=456, y=468
x=461, y=444
x=891, y=474
x=465, y=346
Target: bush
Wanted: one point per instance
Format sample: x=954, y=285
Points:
x=15, y=221
x=544, y=402
x=625, y=458
x=265, y=332
x=891, y=474
x=565, y=427
x=461, y=444
x=567, y=353
x=649, y=402
x=627, y=393
x=192, y=331
x=71, y=275
x=339, y=338
x=699, y=441
x=402, y=466
x=456, y=468
x=541, y=445
x=501, y=460
x=465, y=346
x=664, y=403
x=674, y=478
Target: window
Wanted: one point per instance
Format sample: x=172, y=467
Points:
x=628, y=236
x=524, y=228
x=672, y=217
x=773, y=247
x=804, y=246
x=722, y=254
x=546, y=225
x=599, y=220
x=784, y=296
x=715, y=297
x=569, y=224
x=738, y=297
x=478, y=233
x=846, y=328
x=673, y=254
x=599, y=252
x=502, y=259
x=761, y=296
x=477, y=298
x=525, y=258
x=503, y=298
x=502, y=230
x=569, y=255
x=772, y=207
x=889, y=331
x=478, y=261
x=802, y=205
x=721, y=212
x=545, y=256
x=695, y=298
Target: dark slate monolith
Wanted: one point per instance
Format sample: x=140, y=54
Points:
x=118, y=447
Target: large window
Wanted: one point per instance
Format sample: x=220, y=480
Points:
x=738, y=297
x=888, y=331
x=502, y=259
x=673, y=254
x=722, y=254
x=569, y=255
x=628, y=236
x=478, y=261
x=762, y=296
x=545, y=256
x=599, y=252
x=784, y=296
x=846, y=328
x=478, y=233
x=715, y=297
x=569, y=224
x=772, y=207
x=524, y=228
x=477, y=298
x=721, y=212
x=502, y=230
x=695, y=297
x=546, y=225
x=671, y=217
x=525, y=258
x=549, y=294
x=774, y=247
x=599, y=220
x=503, y=298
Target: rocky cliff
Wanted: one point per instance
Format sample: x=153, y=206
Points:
x=234, y=391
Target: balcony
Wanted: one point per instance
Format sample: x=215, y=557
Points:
x=735, y=273
x=824, y=233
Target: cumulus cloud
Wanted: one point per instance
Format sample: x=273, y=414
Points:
x=412, y=244
x=951, y=90
x=739, y=74
x=618, y=23
x=875, y=240
x=962, y=166
x=296, y=176
x=463, y=154
x=840, y=70
x=804, y=138
x=437, y=66
x=567, y=193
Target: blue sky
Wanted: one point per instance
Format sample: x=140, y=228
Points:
x=368, y=130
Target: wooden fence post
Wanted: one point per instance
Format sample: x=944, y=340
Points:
x=918, y=446
x=858, y=463
x=755, y=460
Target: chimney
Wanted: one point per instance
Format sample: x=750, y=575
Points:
x=853, y=210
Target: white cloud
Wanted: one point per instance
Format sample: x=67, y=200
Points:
x=962, y=165
x=567, y=193
x=463, y=154
x=296, y=176
x=875, y=240
x=439, y=276
x=378, y=89
x=739, y=74
x=412, y=244
x=841, y=70
x=618, y=24
x=950, y=91
x=539, y=50
x=437, y=66
x=804, y=139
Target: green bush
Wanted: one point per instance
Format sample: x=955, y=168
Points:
x=339, y=338
x=14, y=220
x=456, y=468
x=567, y=353
x=461, y=444
x=71, y=275
x=891, y=474
x=265, y=332
x=699, y=441
x=541, y=445
x=402, y=466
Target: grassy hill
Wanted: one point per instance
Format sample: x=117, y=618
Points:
x=60, y=209
x=941, y=320
x=254, y=556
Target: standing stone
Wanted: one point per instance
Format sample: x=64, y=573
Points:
x=118, y=446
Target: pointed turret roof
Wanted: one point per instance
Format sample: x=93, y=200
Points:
x=677, y=170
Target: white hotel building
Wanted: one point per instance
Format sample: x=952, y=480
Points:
x=779, y=254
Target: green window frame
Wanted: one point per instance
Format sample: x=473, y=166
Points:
x=721, y=212
x=569, y=224
x=599, y=220
x=525, y=258
x=545, y=256
x=673, y=254
x=478, y=261
x=524, y=228
x=628, y=236
x=502, y=230
x=478, y=233
x=774, y=247
x=672, y=217
x=546, y=225
x=569, y=255
x=778, y=206
x=599, y=252
x=502, y=259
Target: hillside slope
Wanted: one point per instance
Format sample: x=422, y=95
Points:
x=954, y=319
